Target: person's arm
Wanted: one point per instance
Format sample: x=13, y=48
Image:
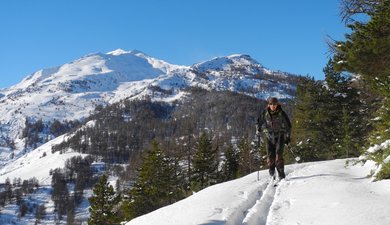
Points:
x=288, y=122
x=259, y=123
x=288, y=131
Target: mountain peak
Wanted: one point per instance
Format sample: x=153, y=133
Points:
x=118, y=51
x=230, y=62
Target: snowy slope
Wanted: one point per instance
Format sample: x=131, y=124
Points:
x=320, y=193
x=37, y=163
x=72, y=90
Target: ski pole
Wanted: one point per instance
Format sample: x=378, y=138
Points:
x=255, y=148
x=259, y=149
x=261, y=158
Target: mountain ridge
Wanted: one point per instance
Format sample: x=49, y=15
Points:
x=73, y=90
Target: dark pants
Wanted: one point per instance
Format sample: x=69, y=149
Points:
x=275, y=144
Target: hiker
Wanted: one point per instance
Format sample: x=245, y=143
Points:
x=276, y=126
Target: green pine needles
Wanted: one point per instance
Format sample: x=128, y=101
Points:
x=103, y=204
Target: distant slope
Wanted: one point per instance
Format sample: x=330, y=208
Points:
x=37, y=163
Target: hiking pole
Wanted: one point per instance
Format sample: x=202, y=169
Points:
x=261, y=158
x=258, y=148
x=297, y=158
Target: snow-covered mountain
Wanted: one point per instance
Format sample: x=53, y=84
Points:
x=73, y=90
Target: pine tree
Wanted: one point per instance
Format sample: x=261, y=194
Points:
x=205, y=163
x=308, y=131
x=366, y=53
x=231, y=164
x=40, y=213
x=103, y=204
x=157, y=184
x=246, y=159
x=328, y=120
x=349, y=128
x=60, y=192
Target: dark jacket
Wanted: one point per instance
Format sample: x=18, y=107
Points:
x=274, y=123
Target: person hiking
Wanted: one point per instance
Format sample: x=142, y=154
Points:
x=276, y=126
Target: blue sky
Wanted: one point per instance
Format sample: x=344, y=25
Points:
x=281, y=35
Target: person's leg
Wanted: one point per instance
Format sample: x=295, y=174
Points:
x=271, y=151
x=279, y=161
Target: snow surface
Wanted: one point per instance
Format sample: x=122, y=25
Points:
x=37, y=163
x=318, y=193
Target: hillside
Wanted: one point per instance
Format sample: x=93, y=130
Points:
x=319, y=193
x=352, y=197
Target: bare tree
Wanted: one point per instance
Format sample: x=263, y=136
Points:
x=349, y=8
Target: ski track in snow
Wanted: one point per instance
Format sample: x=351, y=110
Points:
x=247, y=208
x=257, y=215
x=318, y=193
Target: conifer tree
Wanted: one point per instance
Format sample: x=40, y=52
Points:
x=231, y=164
x=246, y=159
x=156, y=186
x=103, y=204
x=205, y=163
x=347, y=126
x=60, y=192
x=328, y=122
x=366, y=52
x=308, y=132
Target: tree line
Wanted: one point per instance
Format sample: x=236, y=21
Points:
x=164, y=178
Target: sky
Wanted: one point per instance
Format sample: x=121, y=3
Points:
x=281, y=35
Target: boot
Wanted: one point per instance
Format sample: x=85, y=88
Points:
x=281, y=173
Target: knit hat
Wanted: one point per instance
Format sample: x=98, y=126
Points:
x=273, y=100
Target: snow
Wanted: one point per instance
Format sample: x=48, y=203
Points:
x=318, y=193
x=73, y=90
x=381, y=146
x=117, y=52
x=37, y=163
x=226, y=63
x=387, y=159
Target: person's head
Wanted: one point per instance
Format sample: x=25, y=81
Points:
x=273, y=103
